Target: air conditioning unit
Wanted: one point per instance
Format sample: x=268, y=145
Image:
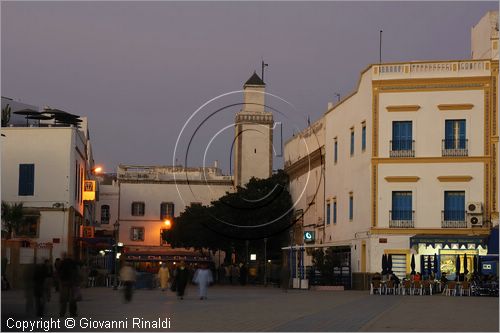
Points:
x=474, y=208
x=474, y=220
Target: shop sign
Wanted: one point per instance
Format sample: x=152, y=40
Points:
x=89, y=190
x=308, y=236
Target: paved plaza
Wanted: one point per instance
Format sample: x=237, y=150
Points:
x=235, y=308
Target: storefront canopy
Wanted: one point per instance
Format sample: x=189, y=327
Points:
x=448, y=240
x=97, y=242
x=493, y=241
x=163, y=256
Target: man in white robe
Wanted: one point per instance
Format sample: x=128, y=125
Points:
x=203, y=278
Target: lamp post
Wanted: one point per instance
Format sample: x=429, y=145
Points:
x=265, y=262
x=116, y=229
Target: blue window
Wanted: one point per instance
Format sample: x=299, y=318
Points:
x=454, y=205
x=401, y=206
x=455, y=134
x=26, y=179
x=328, y=213
x=335, y=212
x=402, y=135
x=363, y=138
x=335, y=151
x=351, y=207
x=352, y=142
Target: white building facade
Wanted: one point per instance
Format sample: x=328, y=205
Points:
x=45, y=169
x=411, y=162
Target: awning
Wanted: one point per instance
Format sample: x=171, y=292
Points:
x=493, y=241
x=97, y=242
x=164, y=256
x=448, y=240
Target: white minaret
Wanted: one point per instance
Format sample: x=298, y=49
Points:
x=253, y=144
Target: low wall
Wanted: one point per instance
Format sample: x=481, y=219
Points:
x=361, y=281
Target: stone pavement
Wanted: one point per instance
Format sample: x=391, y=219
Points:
x=235, y=308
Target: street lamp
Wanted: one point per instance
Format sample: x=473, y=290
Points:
x=116, y=229
x=167, y=223
x=96, y=170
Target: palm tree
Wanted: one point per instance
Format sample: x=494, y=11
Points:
x=12, y=217
x=6, y=115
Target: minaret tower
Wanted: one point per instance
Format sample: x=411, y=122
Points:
x=253, y=153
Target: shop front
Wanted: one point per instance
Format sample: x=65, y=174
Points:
x=439, y=254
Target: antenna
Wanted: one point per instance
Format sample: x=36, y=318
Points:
x=263, y=66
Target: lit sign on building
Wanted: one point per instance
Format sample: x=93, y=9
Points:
x=89, y=190
x=308, y=236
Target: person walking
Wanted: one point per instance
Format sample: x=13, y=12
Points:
x=57, y=267
x=163, y=276
x=285, y=278
x=40, y=277
x=48, y=280
x=181, y=279
x=128, y=276
x=68, y=286
x=243, y=274
x=222, y=274
x=235, y=274
x=203, y=278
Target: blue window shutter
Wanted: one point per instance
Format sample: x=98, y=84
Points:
x=409, y=135
x=351, y=207
x=328, y=213
x=449, y=134
x=395, y=135
x=335, y=151
x=26, y=179
x=363, y=138
x=461, y=129
x=335, y=212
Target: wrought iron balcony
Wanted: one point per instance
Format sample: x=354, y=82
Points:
x=453, y=219
x=402, y=148
x=455, y=147
x=401, y=219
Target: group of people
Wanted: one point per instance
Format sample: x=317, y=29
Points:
x=179, y=279
x=233, y=274
x=64, y=277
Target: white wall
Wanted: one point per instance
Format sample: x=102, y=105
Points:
x=483, y=37
x=255, y=150
x=153, y=195
x=429, y=122
x=428, y=212
x=350, y=173
x=53, y=151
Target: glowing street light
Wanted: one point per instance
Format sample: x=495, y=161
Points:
x=97, y=170
x=168, y=224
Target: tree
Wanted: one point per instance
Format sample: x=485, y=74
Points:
x=262, y=210
x=12, y=217
x=6, y=115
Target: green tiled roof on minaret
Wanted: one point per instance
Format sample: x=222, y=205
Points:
x=255, y=80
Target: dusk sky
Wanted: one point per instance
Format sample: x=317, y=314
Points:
x=139, y=70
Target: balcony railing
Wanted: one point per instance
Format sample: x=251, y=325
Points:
x=401, y=219
x=455, y=147
x=402, y=148
x=453, y=219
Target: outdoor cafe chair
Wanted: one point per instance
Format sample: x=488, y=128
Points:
x=450, y=288
x=407, y=288
x=390, y=287
x=417, y=288
x=465, y=288
x=427, y=287
x=376, y=286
